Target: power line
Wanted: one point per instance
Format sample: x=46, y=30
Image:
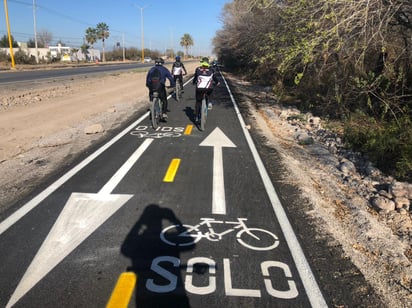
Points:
x=53, y=12
x=56, y=13
x=27, y=36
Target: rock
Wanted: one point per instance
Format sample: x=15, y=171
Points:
x=383, y=204
x=385, y=194
x=347, y=167
x=314, y=122
x=304, y=138
x=94, y=129
x=401, y=202
x=401, y=189
x=371, y=170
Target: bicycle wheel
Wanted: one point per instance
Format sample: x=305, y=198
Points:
x=203, y=113
x=155, y=112
x=178, y=90
x=259, y=239
x=180, y=235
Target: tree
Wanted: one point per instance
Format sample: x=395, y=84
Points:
x=91, y=36
x=4, y=42
x=346, y=60
x=31, y=44
x=102, y=32
x=45, y=38
x=85, y=50
x=186, y=41
x=73, y=52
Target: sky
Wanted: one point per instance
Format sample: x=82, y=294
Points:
x=164, y=22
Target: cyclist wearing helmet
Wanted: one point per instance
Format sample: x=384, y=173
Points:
x=204, y=79
x=178, y=70
x=156, y=81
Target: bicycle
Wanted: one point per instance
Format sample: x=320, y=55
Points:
x=252, y=238
x=178, y=90
x=156, y=110
x=201, y=111
x=179, y=86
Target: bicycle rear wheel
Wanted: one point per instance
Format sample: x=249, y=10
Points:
x=203, y=113
x=155, y=112
x=178, y=90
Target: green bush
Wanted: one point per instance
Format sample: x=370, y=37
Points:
x=20, y=57
x=4, y=57
x=387, y=144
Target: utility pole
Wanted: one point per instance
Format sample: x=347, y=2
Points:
x=35, y=32
x=124, y=55
x=13, y=65
x=141, y=28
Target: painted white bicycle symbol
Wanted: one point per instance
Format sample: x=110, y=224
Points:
x=252, y=238
x=157, y=135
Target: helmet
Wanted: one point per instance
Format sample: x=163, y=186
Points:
x=159, y=61
x=177, y=58
x=204, y=62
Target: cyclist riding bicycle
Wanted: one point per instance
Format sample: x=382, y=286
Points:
x=178, y=70
x=204, y=79
x=156, y=81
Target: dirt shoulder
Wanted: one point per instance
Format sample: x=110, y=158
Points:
x=46, y=126
x=378, y=244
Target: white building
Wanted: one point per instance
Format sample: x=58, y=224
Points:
x=66, y=53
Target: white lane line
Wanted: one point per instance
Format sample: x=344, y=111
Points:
x=26, y=208
x=305, y=272
x=82, y=214
x=119, y=175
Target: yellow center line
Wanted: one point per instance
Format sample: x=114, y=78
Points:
x=172, y=170
x=188, y=129
x=123, y=290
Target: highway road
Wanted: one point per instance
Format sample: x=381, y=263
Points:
x=38, y=75
x=173, y=217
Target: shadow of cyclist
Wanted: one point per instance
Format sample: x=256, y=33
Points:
x=156, y=264
x=190, y=113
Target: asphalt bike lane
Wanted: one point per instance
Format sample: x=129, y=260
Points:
x=175, y=216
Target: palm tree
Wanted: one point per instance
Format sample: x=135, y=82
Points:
x=102, y=31
x=85, y=50
x=74, y=52
x=186, y=41
x=91, y=36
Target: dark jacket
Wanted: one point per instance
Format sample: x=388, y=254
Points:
x=164, y=74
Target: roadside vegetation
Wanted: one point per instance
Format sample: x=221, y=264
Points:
x=91, y=37
x=346, y=61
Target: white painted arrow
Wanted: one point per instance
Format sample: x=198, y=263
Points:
x=217, y=139
x=80, y=217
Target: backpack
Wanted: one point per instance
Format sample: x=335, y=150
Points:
x=155, y=79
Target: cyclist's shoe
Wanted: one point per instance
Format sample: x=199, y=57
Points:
x=164, y=115
x=210, y=106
